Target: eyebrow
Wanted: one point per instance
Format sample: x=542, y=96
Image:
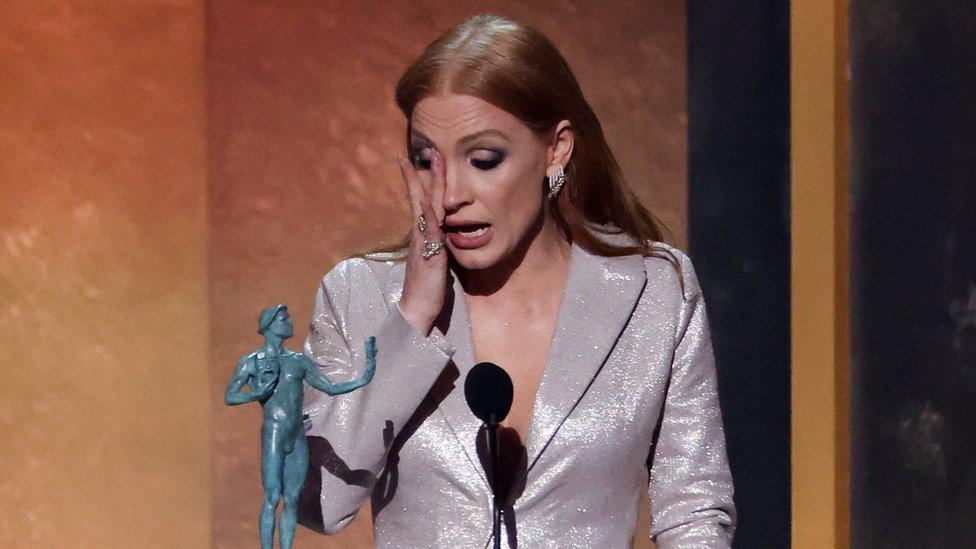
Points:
x=466, y=138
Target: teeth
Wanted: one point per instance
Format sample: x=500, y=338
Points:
x=475, y=233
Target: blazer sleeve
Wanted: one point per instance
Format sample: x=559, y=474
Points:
x=690, y=482
x=350, y=435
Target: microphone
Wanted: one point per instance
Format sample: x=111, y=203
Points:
x=488, y=390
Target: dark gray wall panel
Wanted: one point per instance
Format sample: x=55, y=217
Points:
x=913, y=261
x=738, y=228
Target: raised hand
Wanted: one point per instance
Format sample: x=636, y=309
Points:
x=425, y=279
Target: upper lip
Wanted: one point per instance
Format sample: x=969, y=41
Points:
x=462, y=223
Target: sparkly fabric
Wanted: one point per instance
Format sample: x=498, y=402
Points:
x=627, y=406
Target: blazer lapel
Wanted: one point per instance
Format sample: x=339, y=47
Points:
x=599, y=296
x=598, y=300
x=462, y=424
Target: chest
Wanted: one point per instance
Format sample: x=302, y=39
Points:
x=518, y=341
x=607, y=434
x=270, y=367
x=594, y=415
x=292, y=368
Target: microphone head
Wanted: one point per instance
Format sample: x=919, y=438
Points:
x=488, y=390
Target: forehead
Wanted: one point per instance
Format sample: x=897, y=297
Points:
x=458, y=115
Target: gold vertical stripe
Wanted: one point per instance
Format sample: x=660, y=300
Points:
x=819, y=112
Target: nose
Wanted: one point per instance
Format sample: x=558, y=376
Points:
x=457, y=191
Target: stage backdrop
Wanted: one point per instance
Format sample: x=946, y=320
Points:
x=302, y=132
x=104, y=415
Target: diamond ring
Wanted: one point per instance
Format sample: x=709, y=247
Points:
x=431, y=248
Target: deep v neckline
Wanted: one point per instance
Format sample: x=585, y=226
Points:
x=530, y=435
x=598, y=296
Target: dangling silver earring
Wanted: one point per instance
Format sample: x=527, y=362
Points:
x=556, y=181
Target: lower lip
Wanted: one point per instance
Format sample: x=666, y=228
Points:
x=469, y=242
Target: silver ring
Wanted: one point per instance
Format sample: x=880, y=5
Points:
x=431, y=248
x=422, y=225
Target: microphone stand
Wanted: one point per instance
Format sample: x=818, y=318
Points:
x=488, y=390
x=496, y=526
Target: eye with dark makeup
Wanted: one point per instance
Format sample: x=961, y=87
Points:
x=419, y=162
x=485, y=159
x=488, y=159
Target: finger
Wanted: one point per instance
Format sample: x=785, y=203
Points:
x=439, y=182
x=423, y=183
x=419, y=204
x=413, y=185
x=433, y=227
x=426, y=201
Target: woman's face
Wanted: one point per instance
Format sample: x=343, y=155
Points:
x=494, y=171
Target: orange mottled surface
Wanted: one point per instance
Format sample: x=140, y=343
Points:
x=104, y=419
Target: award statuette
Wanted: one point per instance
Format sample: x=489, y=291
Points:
x=276, y=376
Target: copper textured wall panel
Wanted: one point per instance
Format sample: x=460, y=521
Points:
x=302, y=135
x=103, y=310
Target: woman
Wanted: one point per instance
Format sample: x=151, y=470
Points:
x=529, y=251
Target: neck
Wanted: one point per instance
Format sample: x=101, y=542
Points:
x=540, y=258
x=273, y=344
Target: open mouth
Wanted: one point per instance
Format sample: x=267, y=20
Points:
x=469, y=235
x=469, y=231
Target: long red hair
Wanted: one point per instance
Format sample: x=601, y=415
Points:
x=517, y=69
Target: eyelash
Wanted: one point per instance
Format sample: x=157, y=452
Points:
x=479, y=163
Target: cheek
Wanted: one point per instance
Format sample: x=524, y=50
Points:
x=517, y=199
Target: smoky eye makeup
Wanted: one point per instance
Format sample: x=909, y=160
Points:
x=421, y=158
x=487, y=159
x=482, y=157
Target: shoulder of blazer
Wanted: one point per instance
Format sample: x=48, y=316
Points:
x=345, y=277
x=666, y=264
x=673, y=266
x=356, y=275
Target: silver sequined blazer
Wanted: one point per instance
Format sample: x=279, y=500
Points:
x=627, y=406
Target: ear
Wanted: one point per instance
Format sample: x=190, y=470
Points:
x=561, y=146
